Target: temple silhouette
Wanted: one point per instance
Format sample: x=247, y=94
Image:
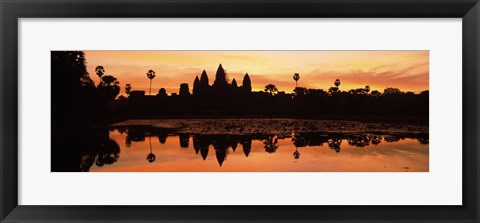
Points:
x=202, y=87
x=220, y=85
x=230, y=99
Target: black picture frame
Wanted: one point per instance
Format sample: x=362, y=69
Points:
x=11, y=11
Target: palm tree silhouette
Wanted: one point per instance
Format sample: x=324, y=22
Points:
x=296, y=154
x=296, y=77
x=150, y=156
x=150, y=75
x=337, y=82
x=334, y=90
x=99, y=70
x=128, y=88
x=367, y=89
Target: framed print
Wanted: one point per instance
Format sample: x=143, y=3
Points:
x=205, y=111
x=198, y=126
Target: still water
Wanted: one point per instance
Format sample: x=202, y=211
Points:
x=146, y=149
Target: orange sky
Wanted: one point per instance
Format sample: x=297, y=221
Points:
x=407, y=70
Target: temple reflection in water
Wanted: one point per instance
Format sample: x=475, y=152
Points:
x=141, y=146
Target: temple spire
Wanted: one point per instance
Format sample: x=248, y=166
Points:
x=220, y=77
x=247, y=84
x=204, y=78
x=196, y=85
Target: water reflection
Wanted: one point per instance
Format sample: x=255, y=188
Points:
x=150, y=156
x=171, y=150
x=101, y=150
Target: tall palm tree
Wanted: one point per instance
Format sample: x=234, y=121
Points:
x=151, y=156
x=367, y=89
x=296, y=77
x=337, y=82
x=99, y=70
x=296, y=154
x=334, y=90
x=150, y=75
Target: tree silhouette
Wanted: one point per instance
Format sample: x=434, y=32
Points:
x=99, y=70
x=423, y=140
x=296, y=77
x=109, y=80
x=128, y=88
x=296, y=154
x=150, y=156
x=162, y=92
x=334, y=144
x=376, y=139
x=271, y=89
x=337, y=82
x=271, y=144
x=375, y=93
x=334, y=90
x=108, y=153
x=392, y=91
x=109, y=90
x=359, y=141
x=99, y=148
x=300, y=91
x=367, y=89
x=73, y=91
x=150, y=75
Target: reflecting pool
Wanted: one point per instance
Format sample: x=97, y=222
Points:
x=148, y=148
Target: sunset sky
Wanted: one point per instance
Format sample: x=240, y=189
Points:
x=406, y=70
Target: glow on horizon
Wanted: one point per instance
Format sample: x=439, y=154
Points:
x=406, y=70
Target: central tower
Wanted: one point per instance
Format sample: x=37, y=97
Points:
x=220, y=78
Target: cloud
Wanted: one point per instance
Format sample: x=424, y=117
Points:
x=407, y=78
